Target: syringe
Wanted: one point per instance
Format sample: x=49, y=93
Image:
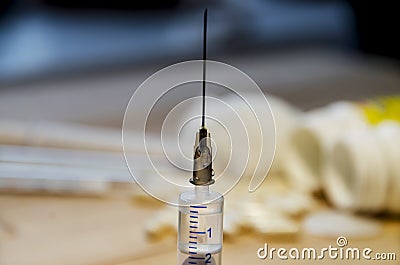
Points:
x=200, y=231
x=200, y=227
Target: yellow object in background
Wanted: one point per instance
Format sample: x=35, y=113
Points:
x=384, y=108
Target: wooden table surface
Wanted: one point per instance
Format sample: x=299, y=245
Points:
x=60, y=230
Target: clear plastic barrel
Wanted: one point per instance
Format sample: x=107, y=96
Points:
x=200, y=231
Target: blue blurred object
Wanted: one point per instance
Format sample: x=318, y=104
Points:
x=44, y=42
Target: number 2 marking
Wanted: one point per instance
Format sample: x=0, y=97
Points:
x=208, y=258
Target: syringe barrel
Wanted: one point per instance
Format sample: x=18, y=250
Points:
x=200, y=230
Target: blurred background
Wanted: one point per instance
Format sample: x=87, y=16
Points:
x=68, y=69
x=47, y=38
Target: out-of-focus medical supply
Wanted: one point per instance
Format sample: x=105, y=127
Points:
x=28, y=178
x=363, y=173
x=266, y=220
x=388, y=135
x=62, y=157
x=350, y=150
x=161, y=224
x=51, y=170
x=312, y=141
x=65, y=135
x=65, y=158
x=54, y=170
x=317, y=132
x=333, y=224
